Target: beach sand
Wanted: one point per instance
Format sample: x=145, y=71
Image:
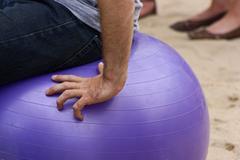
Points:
x=216, y=64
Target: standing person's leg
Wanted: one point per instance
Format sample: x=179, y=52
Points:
x=226, y=28
x=149, y=7
x=214, y=12
x=228, y=23
x=216, y=7
x=40, y=36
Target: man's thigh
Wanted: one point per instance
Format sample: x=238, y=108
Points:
x=21, y=17
x=42, y=36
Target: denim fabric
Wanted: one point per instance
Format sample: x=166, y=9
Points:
x=42, y=36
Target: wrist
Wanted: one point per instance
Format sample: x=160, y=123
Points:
x=116, y=74
x=116, y=80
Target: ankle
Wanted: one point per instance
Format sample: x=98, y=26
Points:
x=218, y=8
x=235, y=14
x=235, y=10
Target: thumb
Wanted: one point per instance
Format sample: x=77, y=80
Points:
x=101, y=67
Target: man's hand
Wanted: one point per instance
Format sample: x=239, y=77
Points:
x=89, y=90
x=117, y=32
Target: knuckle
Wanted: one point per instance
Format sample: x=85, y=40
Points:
x=57, y=88
x=87, y=99
x=65, y=84
x=59, y=101
x=76, y=107
x=52, y=89
x=67, y=93
x=80, y=103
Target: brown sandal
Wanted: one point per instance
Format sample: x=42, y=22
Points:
x=189, y=25
x=204, y=34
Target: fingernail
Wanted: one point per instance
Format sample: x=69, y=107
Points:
x=79, y=117
x=47, y=92
x=60, y=108
x=54, y=76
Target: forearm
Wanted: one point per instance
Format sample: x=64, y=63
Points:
x=117, y=32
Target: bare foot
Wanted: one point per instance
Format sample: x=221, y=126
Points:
x=217, y=7
x=228, y=23
x=215, y=12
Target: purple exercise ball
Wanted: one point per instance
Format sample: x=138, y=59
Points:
x=160, y=114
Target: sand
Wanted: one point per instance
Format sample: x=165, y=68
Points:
x=216, y=64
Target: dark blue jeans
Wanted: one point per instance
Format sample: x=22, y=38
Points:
x=42, y=36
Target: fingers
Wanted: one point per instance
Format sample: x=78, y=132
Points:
x=100, y=67
x=77, y=108
x=59, y=88
x=66, y=95
x=64, y=78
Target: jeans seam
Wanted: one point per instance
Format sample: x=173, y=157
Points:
x=36, y=32
x=88, y=43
